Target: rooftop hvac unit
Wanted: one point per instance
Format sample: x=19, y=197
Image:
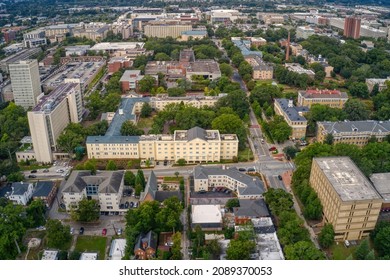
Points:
x=120, y=111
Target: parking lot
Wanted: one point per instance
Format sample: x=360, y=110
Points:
x=59, y=169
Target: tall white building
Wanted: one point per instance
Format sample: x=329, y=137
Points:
x=49, y=118
x=25, y=81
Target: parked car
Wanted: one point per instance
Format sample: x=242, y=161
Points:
x=202, y=191
x=45, y=170
x=273, y=148
x=136, y=205
x=131, y=204
x=251, y=169
x=104, y=231
x=262, y=141
x=119, y=232
x=60, y=170
x=32, y=176
x=34, y=171
x=280, y=177
x=81, y=231
x=126, y=204
x=71, y=230
x=242, y=169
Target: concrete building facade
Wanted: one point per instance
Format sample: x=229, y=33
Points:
x=164, y=30
x=26, y=83
x=350, y=202
x=50, y=117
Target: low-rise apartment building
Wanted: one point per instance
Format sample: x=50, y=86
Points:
x=106, y=187
x=162, y=100
x=293, y=115
x=350, y=202
x=353, y=132
x=261, y=70
x=297, y=68
x=331, y=98
x=382, y=84
x=246, y=187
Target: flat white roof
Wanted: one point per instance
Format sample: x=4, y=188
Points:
x=117, y=46
x=88, y=256
x=49, y=255
x=206, y=214
x=117, y=249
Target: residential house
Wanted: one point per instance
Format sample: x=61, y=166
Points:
x=146, y=246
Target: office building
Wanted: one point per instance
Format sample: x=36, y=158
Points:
x=331, y=98
x=353, y=132
x=223, y=16
x=304, y=32
x=9, y=36
x=208, y=217
x=22, y=54
x=162, y=29
x=96, y=31
x=352, y=27
x=193, y=34
x=293, y=115
x=50, y=117
x=130, y=79
x=34, y=38
x=26, y=83
x=78, y=50
x=270, y=18
x=117, y=63
x=350, y=202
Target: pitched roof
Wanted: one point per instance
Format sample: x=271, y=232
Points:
x=356, y=126
x=151, y=186
x=43, y=188
x=150, y=238
x=196, y=132
x=252, y=208
x=19, y=188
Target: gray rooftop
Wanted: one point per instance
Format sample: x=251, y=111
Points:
x=381, y=183
x=108, y=181
x=152, y=189
x=245, y=51
x=20, y=188
x=252, y=208
x=43, y=188
x=356, y=126
x=293, y=112
x=254, y=186
x=347, y=179
x=324, y=94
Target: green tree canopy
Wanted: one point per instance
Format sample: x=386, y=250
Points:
x=129, y=178
x=128, y=128
x=147, y=83
x=88, y=210
x=326, y=236
x=303, y=250
x=57, y=234
x=146, y=110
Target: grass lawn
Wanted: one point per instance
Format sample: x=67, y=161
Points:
x=340, y=252
x=173, y=179
x=243, y=155
x=145, y=122
x=92, y=244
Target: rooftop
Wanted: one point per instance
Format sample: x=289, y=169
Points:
x=43, y=188
x=20, y=188
x=315, y=93
x=297, y=68
x=368, y=126
x=117, y=249
x=204, y=65
x=267, y=240
x=49, y=255
x=196, y=133
x=244, y=46
x=381, y=183
x=252, y=208
x=194, y=33
x=117, y=46
x=88, y=256
x=293, y=112
x=203, y=214
x=347, y=179
x=49, y=102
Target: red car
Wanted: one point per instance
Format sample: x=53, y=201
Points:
x=272, y=148
x=104, y=231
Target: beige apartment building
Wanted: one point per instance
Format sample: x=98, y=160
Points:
x=161, y=101
x=193, y=145
x=106, y=187
x=350, y=202
x=293, y=115
x=331, y=98
x=25, y=82
x=163, y=30
x=50, y=117
x=261, y=70
x=353, y=132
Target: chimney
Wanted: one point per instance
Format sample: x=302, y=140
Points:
x=290, y=103
x=288, y=47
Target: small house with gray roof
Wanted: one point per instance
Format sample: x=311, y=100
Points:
x=152, y=191
x=19, y=192
x=245, y=186
x=105, y=187
x=46, y=191
x=250, y=209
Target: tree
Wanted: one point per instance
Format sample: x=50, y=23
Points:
x=36, y=213
x=69, y=140
x=181, y=162
x=279, y=129
x=359, y=90
x=140, y=60
x=57, y=234
x=362, y=250
x=176, y=247
x=370, y=255
x=356, y=110
x=162, y=57
x=245, y=69
x=329, y=139
x=129, y=178
x=326, y=236
x=146, y=110
x=236, y=100
x=128, y=128
x=111, y=165
x=74, y=255
x=303, y=250
x=226, y=69
x=290, y=152
x=15, y=177
x=239, y=249
x=176, y=91
x=138, y=189
x=147, y=83
x=278, y=200
x=233, y=202
x=168, y=218
x=231, y=123
x=140, y=179
x=88, y=210
x=382, y=239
